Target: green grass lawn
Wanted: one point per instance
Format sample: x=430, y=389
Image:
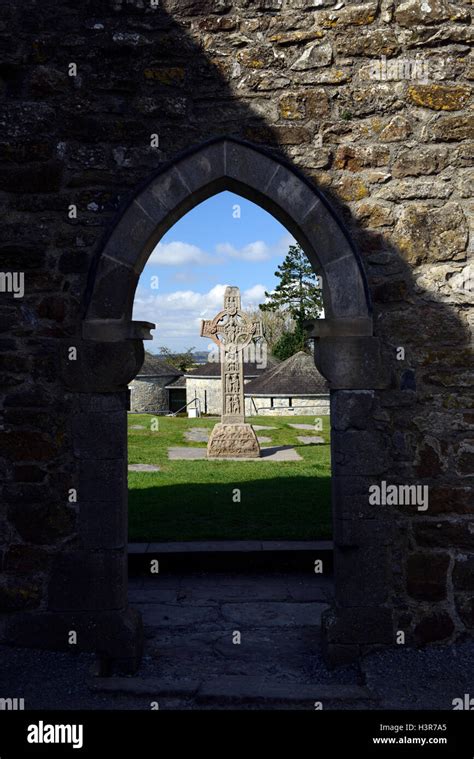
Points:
x=193, y=500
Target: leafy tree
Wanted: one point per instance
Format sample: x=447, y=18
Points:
x=180, y=361
x=289, y=344
x=298, y=290
x=275, y=324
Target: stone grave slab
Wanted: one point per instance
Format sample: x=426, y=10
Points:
x=302, y=426
x=311, y=440
x=197, y=435
x=143, y=468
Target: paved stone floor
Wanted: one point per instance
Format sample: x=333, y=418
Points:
x=192, y=625
x=191, y=659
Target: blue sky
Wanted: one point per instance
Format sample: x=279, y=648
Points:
x=226, y=240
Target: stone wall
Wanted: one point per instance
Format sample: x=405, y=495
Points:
x=300, y=406
x=210, y=396
x=86, y=89
x=148, y=394
x=208, y=391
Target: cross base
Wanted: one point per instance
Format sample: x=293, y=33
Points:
x=233, y=441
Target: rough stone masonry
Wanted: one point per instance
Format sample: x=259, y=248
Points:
x=97, y=95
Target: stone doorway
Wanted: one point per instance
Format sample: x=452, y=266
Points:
x=110, y=352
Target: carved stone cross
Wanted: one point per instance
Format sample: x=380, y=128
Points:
x=232, y=330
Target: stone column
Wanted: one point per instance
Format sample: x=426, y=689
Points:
x=360, y=616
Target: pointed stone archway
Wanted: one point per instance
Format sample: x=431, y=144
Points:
x=110, y=352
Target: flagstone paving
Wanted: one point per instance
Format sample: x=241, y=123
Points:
x=193, y=660
x=311, y=440
x=143, y=468
x=302, y=426
x=225, y=639
x=197, y=435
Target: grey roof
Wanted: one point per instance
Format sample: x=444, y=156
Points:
x=154, y=366
x=177, y=383
x=295, y=376
x=213, y=368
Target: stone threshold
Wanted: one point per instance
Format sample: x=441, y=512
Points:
x=234, y=689
x=231, y=546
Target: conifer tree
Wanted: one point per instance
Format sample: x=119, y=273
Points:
x=299, y=293
x=298, y=290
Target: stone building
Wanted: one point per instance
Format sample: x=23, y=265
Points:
x=203, y=384
x=152, y=390
x=293, y=386
x=290, y=103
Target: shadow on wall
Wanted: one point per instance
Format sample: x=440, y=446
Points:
x=157, y=74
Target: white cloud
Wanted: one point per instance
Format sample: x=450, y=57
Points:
x=253, y=296
x=257, y=250
x=178, y=253
x=254, y=251
x=178, y=315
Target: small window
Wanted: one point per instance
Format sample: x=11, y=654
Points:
x=290, y=402
x=271, y=402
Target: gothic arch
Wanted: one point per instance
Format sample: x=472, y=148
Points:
x=228, y=164
x=110, y=353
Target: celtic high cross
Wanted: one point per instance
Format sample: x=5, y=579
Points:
x=232, y=330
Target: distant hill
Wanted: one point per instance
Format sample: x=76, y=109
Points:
x=199, y=357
